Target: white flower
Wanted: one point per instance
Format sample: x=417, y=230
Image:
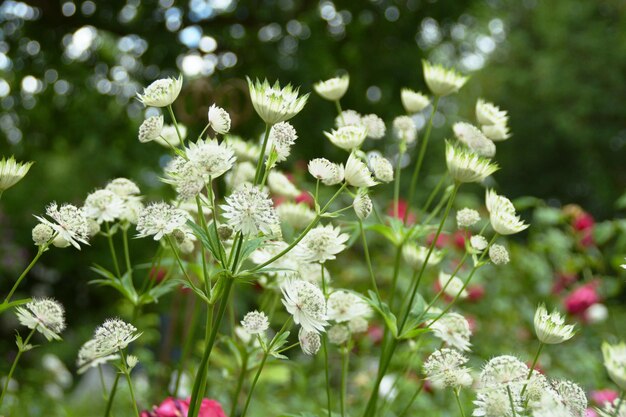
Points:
x=338, y=334
x=296, y=215
x=45, y=315
x=242, y=173
x=474, y=139
x=442, y=81
x=413, y=101
x=499, y=255
x=334, y=88
x=467, y=218
x=496, y=403
x=347, y=137
x=123, y=187
x=611, y=409
x=282, y=137
x=445, y=368
x=404, y=128
x=327, y=172
x=478, y=242
x=70, y=223
x=596, y=313
x=131, y=202
x=273, y=103
x=169, y=135
x=497, y=132
x=466, y=166
x=212, y=159
x=11, y=172
x=357, y=174
x=219, y=119
x=344, y=306
x=89, y=356
x=489, y=114
x=160, y=219
x=502, y=214
x=573, y=397
x=615, y=362
x=306, y=303
x=362, y=205
x=503, y=370
x=309, y=341
x=416, y=255
x=255, y=322
x=41, y=234
x=103, y=206
x=161, y=93
x=244, y=150
x=453, y=329
x=250, y=211
x=150, y=129
x=358, y=325
x=374, y=125
x=348, y=118
x=114, y=335
x=321, y=244
x=280, y=185
x=383, y=170
x=452, y=286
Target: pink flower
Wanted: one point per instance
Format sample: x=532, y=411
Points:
x=305, y=198
x=442, y=240
x=173, y=407
x=583, y=221
x=590, y=412
x=475, y=292
x=402, y=208
x=603, y=396
x=582, y=298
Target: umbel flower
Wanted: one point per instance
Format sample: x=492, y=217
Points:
x=445, y=368
x=219, y=119
x=615, y=362
x=572, y=396
x=467, y=218
x=296, y=215
x=334, y=88
x=474, y=139
x=454, y=330
x=503, y=370
x=499, y=255
x=327, y=172
x=348, y=118
x=273, y=103
x=89, y=356
x=279, y=184
x=374, y=125
x=347, y=137
x=321, y=244
x=161, y=93
x=249, y=210
x=404, y=128
x=45, y=315
x=550, y=327
x=357, y=174
x=70, y=223
x=160, y=219
x=11, y=172
x=362, y=205
x=382, y=168
x=502, y=214
x=282, y=137
x=442, y=81
x=114, y=335
x=489, y=114
x=255, y=322
x=151, y=129
x=344, y=306
x=310, y=342
x=338, y=334
x=413, y=101
x=103, y=206
x=496, y=403
x=306, y=303
x=415, y=255
x=41, y=234
x=466, y=166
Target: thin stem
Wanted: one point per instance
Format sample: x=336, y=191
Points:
x=126, y=251
x=112, y=249
x=339, y=111
x=107, y=411
x=412, y=400
x=345, y=366
x=508, y=390
x=104, y=388
x=458, y=401
x=129, y=381
x=205, y=272
x=396, y=185
x=222, y=253
x=532, y=367
x=189, y=340
x=327, y=374
x=434, y=192
x=14, y=365
x=259, y=166
x=32, y=263
x=396, y=273
x=443, y=288
x=180, y=138
x=242, y=375
x=254, y=381
x=368, y=260
x=619, y=404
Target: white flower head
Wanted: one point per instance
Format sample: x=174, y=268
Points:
x=358, y=325
x=502, y=214
x=454, y=330
x=489, y=114
x=273, y=103
x=321, y=244
x=244, y=150
x=211, y=158
x=374, y=125
x=327, y=172
x=572, y=396
x=497, y=132
x=333, y=89
x=446, y=368
x=467, y=218
x=338, y=334
x=383, y=170
x=348, y=118
x=114, y=335
x=615, y=362
x=282, y=137
x=550, y=327
x=466, y=166
x=160, y=219
x=442, y=81
x=249, y=210
x=496, y=403
x=503, y=370
x=452, y=286
x=90, y=357
x=415, y=255
x=309, y=341
x=41, y=234
x=150, y=129
x=296, y=215
x=123, y=187
x=617, y=408
x=306, y=303
x=11, y=172
x=219, y=119
x=479, y=242
x=344, y=306
x=279, y=184
x=474, y=139
x=499, y=255
x=255, y=322
x=357, y=174
x=347, y=137
x=362, y=205
x=103, y=206
x=161, y=93
x=45, y=315
x=413, y=101
x=70, y=223
x=169, y=136
x=404, y=129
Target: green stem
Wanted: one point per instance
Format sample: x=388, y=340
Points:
x=14, y=365
x=259, y=166
x=104, y=388
x=129, y=381
x=180, y=138
x=412, y=400
x=508, y=390
x=254, y=381
x=189, y=340
x=458, y=401
x=532, y=367
x=368, y=260
x=443, y=288
x=385, y=360
x=345, y=366
x=32, y=263
x=112, y=249
x=327, y=374
x=396, y=185
x=242, y=375
x=619, y=404
x=222, y=252
x=339, y=111
x=434, y=192
x=126, y=250
x=396, y=273
x=107, y=411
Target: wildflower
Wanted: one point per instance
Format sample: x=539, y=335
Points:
x=474, y=139
x=42, y=233
x=255, y=322
x=497, y=132
x=502, y=214
x=452, y=286
x=250, y=211
x=244, y=150
x=282, y=137
x=172, y=407
x=357, y=174
x=499, y=255
x=70, y=223
x=374, y=126
x=495, y=403
x=150, y=129
x=489, y=114
x=103, y=206
x=442, y=81
x=279, y=184
x=327, y=172
x=333, y=89
x=242, y=173
x=404, y=128
x=90, y=357
x=347, y=137
x=128, y=192
x=479, y=243
x=123, y=187
x=321, y=244
x=445, y=368
x=219, y=119
x=415, y=255
x=383, y=170
x=170, y=136
x=362, y=205
x=296, y=215
x=344, y=306
x=413, y=101
x=582, y=298
x=212, y=159
x=503, y=370
x=572, y=396
x=160, y=219
x=453, y=329
x=114, y=335
x=309, y=342
x=358, y=325
x=615, y=408
x=11, y=172
x=348, y=118
x=467, y=218
x=338, y=334
x=615, y=362
x=45, y=315
x=466, y=166
x=161, y=93
x=306, y=303
x=273, y=103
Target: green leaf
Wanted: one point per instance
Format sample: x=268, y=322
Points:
x=384, y=310
x=250, y=246
x=6, y=306
x=157, y=292
x=210, y=242
x=385, y=231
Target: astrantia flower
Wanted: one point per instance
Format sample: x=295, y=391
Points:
x=123, y=187
x=495, y=403
x=572, y=396
x=128, y=191
x=309, y=342
x=306, y=303
x=161, y=93
x=413, y=101
x=334, y=88
x=90, y=357
x=296, y=215
x=42, y=233
x=466, y=166
x=211, y=158
x=219, y=119
x=282, y=137
x=442, y=81
x=327, y=172
x=70, y=223
x=467, y=217
x=502, y=214
x=453, y=329
x=114, y=335
x=374, y=126
x=474, y=139
x=169, y=136
x=348, y=118
x=338, y=334
x=45, y=315
x=404, y=128
x=321, y=244
x=347, y=137
x=103, y=206
x=250, y=211
x=357, y=174
x=615, y=362
x=383, y=170
x=499, y=255
x=241, y=173
x=489, y=114
x=358, y=325
x=244, y=150
x=362, y=205
x=497, y=132
x=503, y=370
x=478, y=242
x=415, y=255
x=11, y=172
x=452, y=286
x=445, y=368
x=150, y=129
x=273, y=103
x=255, y=322
x=344, y=306
x=610, y=409
x=160, y=219
x=280, y=185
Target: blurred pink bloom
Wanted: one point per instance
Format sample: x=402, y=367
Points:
x=583, y=221
x=602, y=396
x=172, y=407
x=582, y=298
x=591, y=413
x=402, y=208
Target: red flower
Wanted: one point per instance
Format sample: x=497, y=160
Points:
x=582, y=298
x=475, y=292
x=305, y=198
x=459, y=239
x=583, y=221
x=403, y=206
x=603, y=396
x=173, y=407
x=442, y=240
